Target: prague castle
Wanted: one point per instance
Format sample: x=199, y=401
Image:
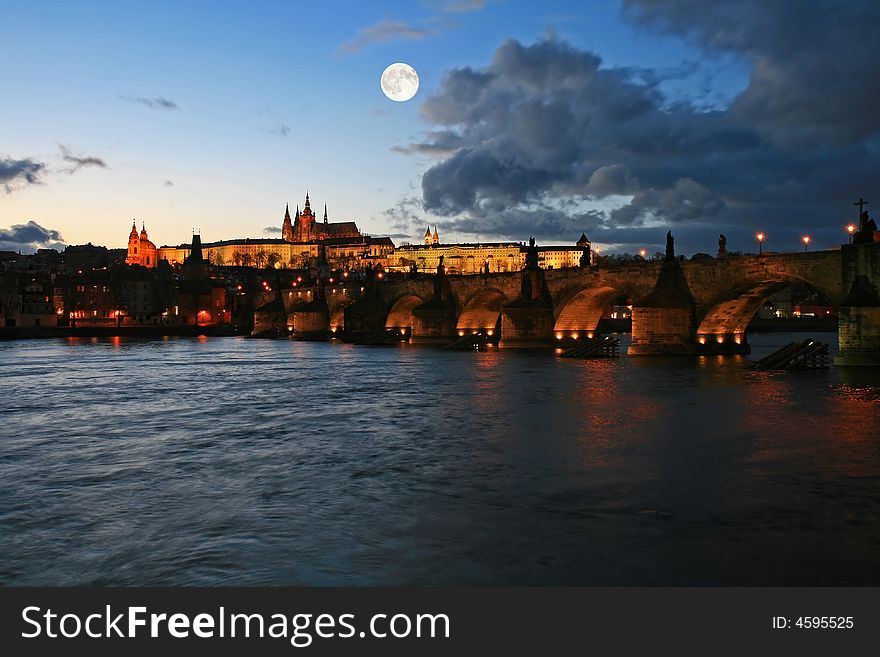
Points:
x=303, y=237
x=299, y=246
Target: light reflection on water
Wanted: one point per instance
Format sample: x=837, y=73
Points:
x=232, y=461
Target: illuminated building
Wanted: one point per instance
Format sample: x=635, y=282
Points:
x=477, y=258
x=141, y=251
x=298, y=247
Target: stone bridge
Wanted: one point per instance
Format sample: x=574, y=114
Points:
x=565, y=303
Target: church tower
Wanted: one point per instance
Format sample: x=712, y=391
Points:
x=436, y=238
x=306, y=223
x=286, y=226
x=428, y=236
x=133, y=257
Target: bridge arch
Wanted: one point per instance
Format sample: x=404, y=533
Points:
x=728, y=319
x=482, y=312
x=581, y=311
x=400, y=314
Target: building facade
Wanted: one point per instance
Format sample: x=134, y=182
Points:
x=485, y=256
x=298, y=248
x=141, y=251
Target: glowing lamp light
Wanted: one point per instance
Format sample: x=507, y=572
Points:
x=806, y=241
x=489, y=332
x=851, y=229
x=643, y=252
x=574, y=336
x=760, y=238
x=345, y=274
x=590, y=335
x=720, y=339
x=702, y=339
x=380, y=275
x=559, y=336
x=461, y=334
x=738, y=339
x=331, y=280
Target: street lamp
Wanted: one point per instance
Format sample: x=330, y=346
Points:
x=642, y=252
x=851, y=229
x=760, y=238
x=806, y=239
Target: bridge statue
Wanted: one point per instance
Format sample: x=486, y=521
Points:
x=532, y=255
x=670, y=246
x=722, y=246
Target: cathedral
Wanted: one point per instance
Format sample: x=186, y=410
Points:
x=141, y=251
x=305, y=228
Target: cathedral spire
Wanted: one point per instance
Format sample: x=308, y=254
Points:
x=307, y=205
x=287, y=211
x=325, y=213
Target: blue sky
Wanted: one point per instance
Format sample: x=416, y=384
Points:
x=213, y=115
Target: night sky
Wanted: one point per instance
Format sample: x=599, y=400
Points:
x=622, y=120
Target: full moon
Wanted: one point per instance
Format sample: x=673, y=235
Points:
x=399, y=82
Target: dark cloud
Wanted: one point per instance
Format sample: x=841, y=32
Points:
x=15, y=173
x=157, y=103
x=545, y=134
x=77, y=162
x=169, y=183
x=815, y=70
x=387, y=30
x=271, y=230
x=29, y=237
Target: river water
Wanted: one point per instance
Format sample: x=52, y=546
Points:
x=232, y=461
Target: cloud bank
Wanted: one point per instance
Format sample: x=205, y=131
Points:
x=29, y=237
x=545, y=140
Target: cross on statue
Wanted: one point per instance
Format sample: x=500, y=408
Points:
x=861, y=203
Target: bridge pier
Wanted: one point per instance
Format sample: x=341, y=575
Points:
x=664, y=322
x=434, y=320
x=528, y=320
x=310, y=317
x=858, y=326
x=858, y=315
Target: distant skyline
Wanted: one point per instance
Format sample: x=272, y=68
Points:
x=621, y=119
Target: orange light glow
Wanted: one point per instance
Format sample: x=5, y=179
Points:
x=643, y=252
x=461, y=334
x=590, y=335
x=806, y=239
x=559, y=336
x=720, y=339
x=702, y=339
x=489, y=332
x=574, y=336
x=760, y=237
x=851, y=229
